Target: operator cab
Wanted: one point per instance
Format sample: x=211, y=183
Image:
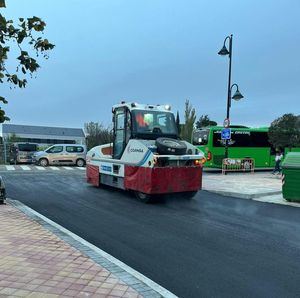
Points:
x=136, y=121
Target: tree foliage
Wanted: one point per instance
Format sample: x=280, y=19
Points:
x=189, y=121
x=25, y=34
x=285, y=131
x=97, y=134
x=204, y=121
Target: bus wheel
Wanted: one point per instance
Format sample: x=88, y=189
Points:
x=189, y=194
x=143, y=197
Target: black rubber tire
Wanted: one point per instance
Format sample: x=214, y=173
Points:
x=167, y=146
x=42, y=160
x=80, y=162
x=143, y=197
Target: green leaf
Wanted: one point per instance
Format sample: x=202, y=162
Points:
x=3, y=117
x=3, y=100
x=2, y=3
x=15, y=79
x=21, y=36
x=24, y=53
x=2, y=23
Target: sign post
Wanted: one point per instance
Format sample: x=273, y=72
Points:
x=226, y=133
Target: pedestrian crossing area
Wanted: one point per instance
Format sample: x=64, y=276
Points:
x=26, y=168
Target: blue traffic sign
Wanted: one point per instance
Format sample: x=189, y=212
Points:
x=226, y=134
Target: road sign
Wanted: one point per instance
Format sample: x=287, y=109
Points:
x=226, y=134
x=226, y=123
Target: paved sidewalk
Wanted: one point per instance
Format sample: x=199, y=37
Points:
x=260, y=186
x=34, y=262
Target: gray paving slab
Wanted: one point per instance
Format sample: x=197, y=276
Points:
x=260, y=186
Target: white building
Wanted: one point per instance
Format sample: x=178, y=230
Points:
x=43, y=135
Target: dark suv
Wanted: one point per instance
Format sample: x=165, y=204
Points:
x=22, y=152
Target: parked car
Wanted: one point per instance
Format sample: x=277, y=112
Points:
x=22, y=152
x=2, y=191
x=62, y=154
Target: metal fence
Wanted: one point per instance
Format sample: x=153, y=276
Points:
x=238, y=165
x=4, y=153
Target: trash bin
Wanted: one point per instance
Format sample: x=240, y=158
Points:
x=291, y=177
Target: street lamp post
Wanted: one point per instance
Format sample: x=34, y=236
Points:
x=237, y=95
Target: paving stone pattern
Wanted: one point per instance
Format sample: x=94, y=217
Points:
x=35, y=262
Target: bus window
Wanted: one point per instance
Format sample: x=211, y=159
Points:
x=260, y=139
x=217, y=141
x=238, y=139
x=200, y=137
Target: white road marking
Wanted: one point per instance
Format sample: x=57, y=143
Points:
x=40, y=168
x=10, y=168
x=25, y=168
x=81, y=168
x=54, y=168
x=68, y=168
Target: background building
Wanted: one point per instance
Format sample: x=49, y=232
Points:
x=42, y=135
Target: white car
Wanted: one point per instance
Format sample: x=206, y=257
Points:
x=62, y=154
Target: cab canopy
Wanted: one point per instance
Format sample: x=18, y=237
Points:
x=145, y=121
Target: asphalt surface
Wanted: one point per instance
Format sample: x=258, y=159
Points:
x=210, y=246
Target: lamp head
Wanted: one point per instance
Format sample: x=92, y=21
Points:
x=237, y=95
x=223, y=51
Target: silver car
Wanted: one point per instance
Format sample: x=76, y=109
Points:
x=62, y=154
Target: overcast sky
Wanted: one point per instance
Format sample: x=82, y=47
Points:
x=160, y=51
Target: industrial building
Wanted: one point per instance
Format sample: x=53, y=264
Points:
x=43, y=135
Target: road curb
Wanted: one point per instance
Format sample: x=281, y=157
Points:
x=244, y=195
x=142, y=284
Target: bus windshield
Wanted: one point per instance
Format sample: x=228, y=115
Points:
x=153, y=124
x=200, y=137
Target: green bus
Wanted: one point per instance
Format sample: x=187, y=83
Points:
x=245, y=142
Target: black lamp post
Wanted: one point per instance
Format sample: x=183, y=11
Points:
x=237, y=95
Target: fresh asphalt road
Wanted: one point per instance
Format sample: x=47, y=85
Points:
x=211, y=246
